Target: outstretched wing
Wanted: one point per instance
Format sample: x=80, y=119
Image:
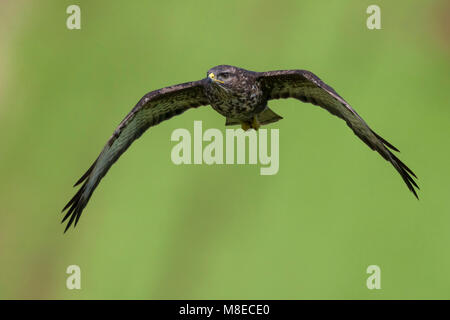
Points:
x=307, y=87
x=153, y=108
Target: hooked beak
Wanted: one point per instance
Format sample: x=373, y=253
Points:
x=213, y=78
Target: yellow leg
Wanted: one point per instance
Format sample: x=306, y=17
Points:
x=245, y=125
x=255, y=123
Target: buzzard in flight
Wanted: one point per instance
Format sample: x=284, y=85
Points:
x=239, y=95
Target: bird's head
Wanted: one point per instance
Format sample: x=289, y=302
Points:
x=224, y=76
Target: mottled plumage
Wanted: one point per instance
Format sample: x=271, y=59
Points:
x=239, y=95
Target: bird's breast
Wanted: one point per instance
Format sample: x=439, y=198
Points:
x=238, y=105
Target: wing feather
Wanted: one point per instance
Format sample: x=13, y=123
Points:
x=307, y=87
x=153, y=108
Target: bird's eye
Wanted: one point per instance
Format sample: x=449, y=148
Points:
x=225, y=75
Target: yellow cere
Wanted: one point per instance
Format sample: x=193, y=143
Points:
x=212, y=76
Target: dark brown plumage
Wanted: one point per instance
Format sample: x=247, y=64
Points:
x=239, y=95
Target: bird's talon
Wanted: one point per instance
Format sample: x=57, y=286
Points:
x=255, y=123
x=246, y=125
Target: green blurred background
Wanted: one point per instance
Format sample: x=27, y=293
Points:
x=157, y=230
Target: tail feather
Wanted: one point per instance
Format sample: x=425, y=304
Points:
x=268, y=116
x=265, y=117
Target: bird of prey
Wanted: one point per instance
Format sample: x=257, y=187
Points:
x=239, y=95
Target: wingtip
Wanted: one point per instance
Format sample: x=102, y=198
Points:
x=405, y=172
x=66, y=228
x=86, y=174
x=415, y=193
x=408, y=176
x=385, y=142
x=75, y=207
